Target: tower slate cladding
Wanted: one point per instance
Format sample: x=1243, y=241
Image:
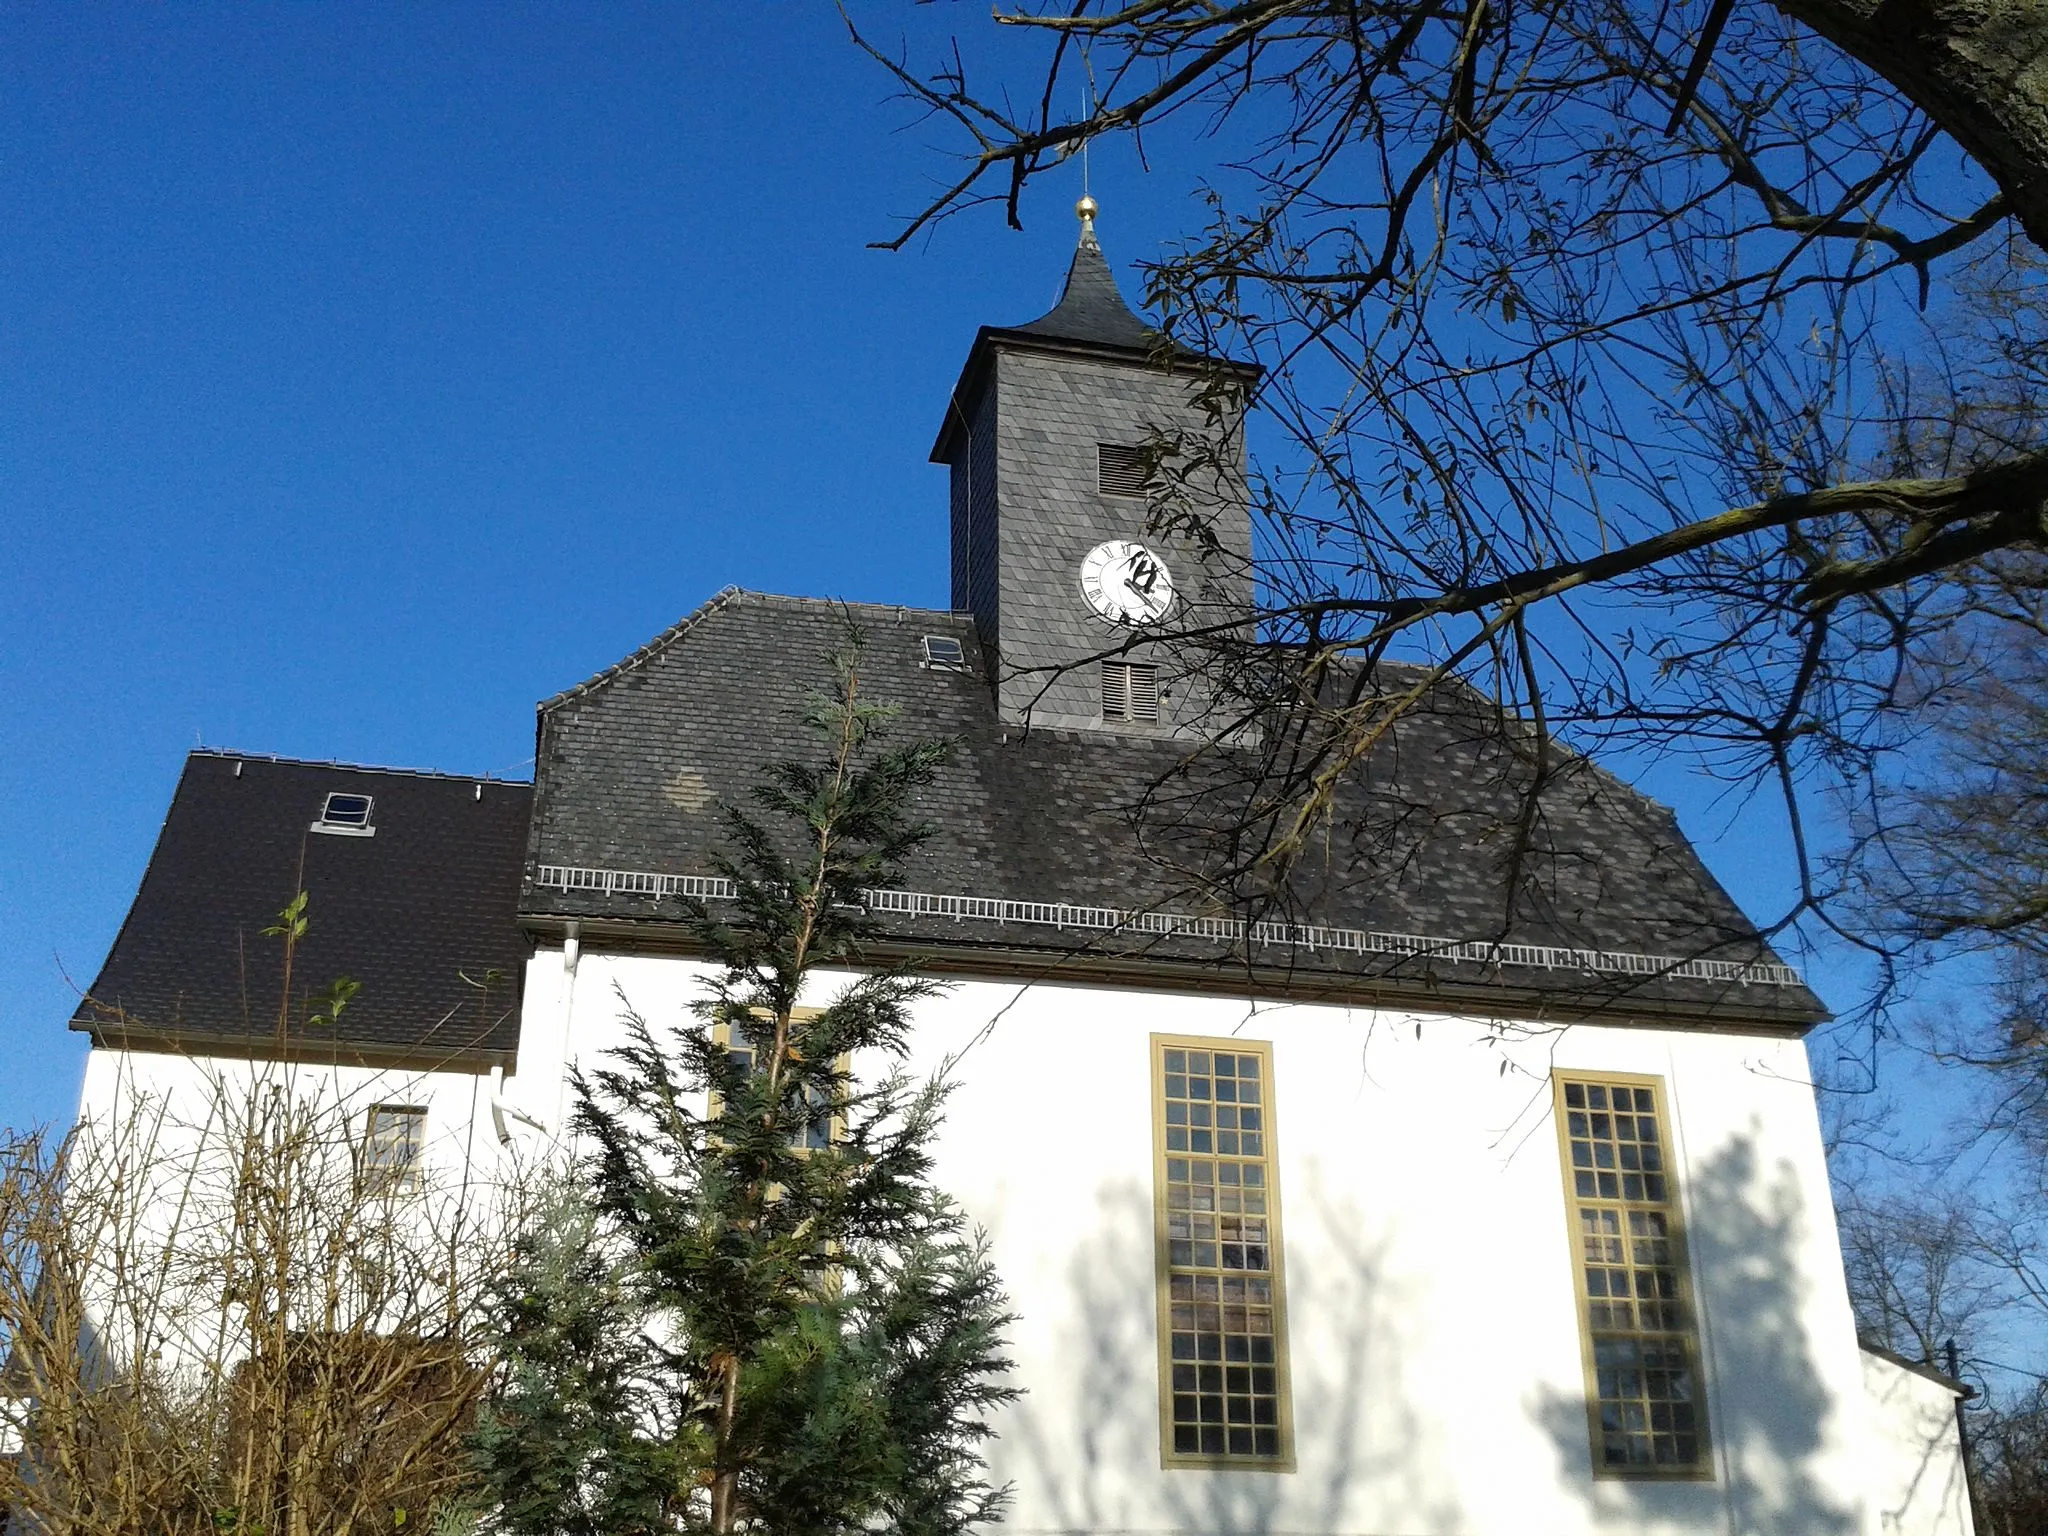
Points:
x=1045, y=435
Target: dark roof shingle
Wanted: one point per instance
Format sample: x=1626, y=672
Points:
x=1091, y=319
x=1091, y=308
x=633, y=766
x=422, y=914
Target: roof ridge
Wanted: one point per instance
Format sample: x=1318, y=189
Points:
x=232, y=755
x=856, y=604
x=724, y=597
x=649, y=650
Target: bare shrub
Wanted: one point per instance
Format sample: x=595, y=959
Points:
x=218, y=1317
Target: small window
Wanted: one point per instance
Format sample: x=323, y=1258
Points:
x=1130, y=690
x=391, y=1147
x=348, y=815
x=942, y=653
x=824, y=1127
x=1120, y=471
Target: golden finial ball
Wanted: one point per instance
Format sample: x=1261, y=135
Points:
x=1085, y=209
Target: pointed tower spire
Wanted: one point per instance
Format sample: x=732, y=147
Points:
x=1090, y=320
x=1091, y=307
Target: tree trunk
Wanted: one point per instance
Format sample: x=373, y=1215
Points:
x=1979, y=68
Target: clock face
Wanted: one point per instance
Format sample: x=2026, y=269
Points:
x=1126, y=583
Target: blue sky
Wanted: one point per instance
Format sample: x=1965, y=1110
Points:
x=369, y=373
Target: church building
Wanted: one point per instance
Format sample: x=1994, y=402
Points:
x=1449, y=1188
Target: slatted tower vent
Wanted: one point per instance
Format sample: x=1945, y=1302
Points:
x=1120, y=471
x=1130, y=690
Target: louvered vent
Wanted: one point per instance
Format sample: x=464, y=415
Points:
x=1119, y=471
x=1130, y=690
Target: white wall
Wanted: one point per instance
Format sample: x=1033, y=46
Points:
x=1434, y=1333
x=1915, y=1468
x=174, y=1094
x=154, y=1183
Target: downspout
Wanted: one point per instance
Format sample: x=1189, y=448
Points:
x=1963, y=1439
x=572, y=953
x=503, y=1110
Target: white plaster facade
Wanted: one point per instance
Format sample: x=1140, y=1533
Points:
x=1434, y=1330
x=1917, y=1482
x=460, y=1140
x=1434, y=1333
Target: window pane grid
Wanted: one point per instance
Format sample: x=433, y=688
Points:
x=1223, y=1321
x=1647, y=1414
x=816, y=1133
x=391, y=1146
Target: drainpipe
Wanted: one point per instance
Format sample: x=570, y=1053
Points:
x=572, y=951
x=1963, y=1440
x=503, y=1110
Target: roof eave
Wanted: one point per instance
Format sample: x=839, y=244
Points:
x=416, y=1056
x=1934, y=1374
x=1001, y=959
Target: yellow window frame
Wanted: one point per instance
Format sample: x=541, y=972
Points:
x=376, y=1173
x=1165, y=1269
x=721, y=1036
x=1623, y=1240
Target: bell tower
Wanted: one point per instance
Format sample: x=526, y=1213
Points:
x=1076, y=590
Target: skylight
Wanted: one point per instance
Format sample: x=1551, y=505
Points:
x=347, y=815
x=942, y=653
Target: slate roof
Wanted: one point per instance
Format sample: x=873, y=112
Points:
x=408, y=912
x=633, y=765
x=1091, y=317
x=1091, y=308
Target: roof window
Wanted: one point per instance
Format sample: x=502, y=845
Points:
x=942, y=653
x=346, y=815
x=1120, y=471
x=1130, y=690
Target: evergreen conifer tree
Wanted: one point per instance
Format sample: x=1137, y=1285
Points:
x=754, y=1312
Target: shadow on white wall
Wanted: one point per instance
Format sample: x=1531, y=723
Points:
x=1774, y=1420
x=1090, y=1462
